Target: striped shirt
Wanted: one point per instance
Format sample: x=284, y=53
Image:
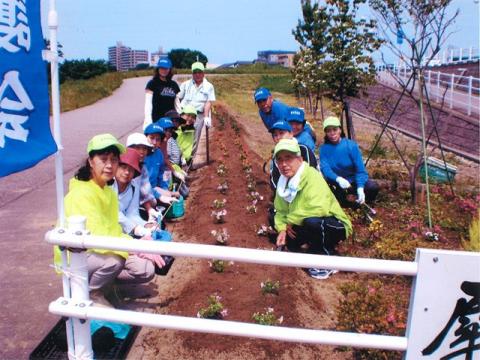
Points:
x=174, y=152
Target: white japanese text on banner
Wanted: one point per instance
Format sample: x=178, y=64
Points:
x=25, y=136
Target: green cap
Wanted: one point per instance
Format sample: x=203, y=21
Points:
x=189, y=109
x=331, y=121
x=102, y=141
x=198, y=66
x=290, y=145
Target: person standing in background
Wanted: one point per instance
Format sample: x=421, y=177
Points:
x=199, y=93
x=160, y=92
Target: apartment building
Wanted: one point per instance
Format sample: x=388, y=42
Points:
x=123, y=58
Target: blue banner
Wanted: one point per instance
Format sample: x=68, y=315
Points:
x=25, y=136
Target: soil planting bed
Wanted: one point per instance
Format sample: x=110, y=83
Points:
x=301, y=300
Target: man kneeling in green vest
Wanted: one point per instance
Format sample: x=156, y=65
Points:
x=307, y=213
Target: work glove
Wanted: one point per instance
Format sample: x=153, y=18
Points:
x=179, y=175
x=208, y=121
x=153, y=215
x=167, y=199
x=360, y=195
x=155, y=258
x=140, y=231
x=344, y=183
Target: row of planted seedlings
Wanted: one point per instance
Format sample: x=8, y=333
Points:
x=215, y=308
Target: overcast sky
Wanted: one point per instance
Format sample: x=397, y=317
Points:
x=224, y=30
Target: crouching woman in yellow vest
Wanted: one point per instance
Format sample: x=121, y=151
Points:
x=91, y=196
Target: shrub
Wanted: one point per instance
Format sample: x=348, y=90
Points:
x=217, y=266
x=219, y=216
x=473, y=243
x=220, y=236
x=398, y=245
x=270, y=287
x=214, y=310
x=267, y=318
x=367, y=307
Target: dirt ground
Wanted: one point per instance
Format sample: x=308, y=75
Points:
x=302, y=301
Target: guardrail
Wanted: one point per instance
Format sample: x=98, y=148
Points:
x=455, y=91
x=80, y=308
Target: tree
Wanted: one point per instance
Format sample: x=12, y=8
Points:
x=82, y=69
x=309, y=80
x=334, y=33
x=184, y=58
x=423, y=26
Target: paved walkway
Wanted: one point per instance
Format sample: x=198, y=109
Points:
x=28, y=210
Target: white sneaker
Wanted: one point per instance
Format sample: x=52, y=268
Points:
x=321, y=274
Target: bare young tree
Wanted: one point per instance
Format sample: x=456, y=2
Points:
x=423, y=25
x=309, y=80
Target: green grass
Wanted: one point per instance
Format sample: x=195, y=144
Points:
x=77, y=93
x=277, y=83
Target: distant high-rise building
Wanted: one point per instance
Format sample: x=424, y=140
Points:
x=124, y=58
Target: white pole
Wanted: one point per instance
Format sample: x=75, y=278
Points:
x=266, y=257
x=53, y=25
x=439, y=98
x=470, y=80
x=55, y=90
x=79, y=285
x=235, y=328
x=452, y=81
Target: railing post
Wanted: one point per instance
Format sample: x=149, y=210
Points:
x=79, y=286
x=439, y=97
x=469, y=108
x=452, y=82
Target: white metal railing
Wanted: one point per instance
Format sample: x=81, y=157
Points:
x=457, y=92
x=458, y=55
x=80, y=310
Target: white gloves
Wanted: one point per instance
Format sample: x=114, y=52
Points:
x=179, y=175
x=153, y=215
x=141, y=231
x=208, y=121
x=167, y=199
x=155, y=258
x=344, y=184
x=360, y=195
x=148, y=109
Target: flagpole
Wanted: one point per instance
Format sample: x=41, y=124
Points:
x=53, y=25
x=55, y=90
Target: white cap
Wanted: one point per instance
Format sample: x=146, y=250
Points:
x=138, y=139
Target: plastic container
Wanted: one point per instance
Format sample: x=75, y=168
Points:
x=437, y=171
x=176, y=210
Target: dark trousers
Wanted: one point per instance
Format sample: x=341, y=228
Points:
x=322, y=234
x=371, y=189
